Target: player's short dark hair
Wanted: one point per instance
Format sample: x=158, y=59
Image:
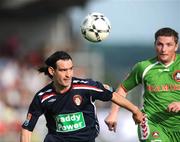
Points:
x=167, y=32
x=51, y=61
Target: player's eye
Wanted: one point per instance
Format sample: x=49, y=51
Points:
x=62, y=69
x=170, y=44
x=159, y=44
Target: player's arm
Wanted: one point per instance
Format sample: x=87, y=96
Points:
x=25, y=135
x=111, y=119
x=174, y=107
x=132, y=80
x=34, y=112
x=123, y=102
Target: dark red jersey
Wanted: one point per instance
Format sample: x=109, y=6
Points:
x=71, y=115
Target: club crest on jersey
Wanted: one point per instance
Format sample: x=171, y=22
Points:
x=155, y=134
x=176, y=75
x=77, y=100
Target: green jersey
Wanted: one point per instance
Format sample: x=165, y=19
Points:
x=161, y=87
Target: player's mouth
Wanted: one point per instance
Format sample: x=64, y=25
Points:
x=67, y=80
x=163, y=55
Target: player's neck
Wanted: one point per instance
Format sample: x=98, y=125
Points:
x=61, y=89
x=168, y=63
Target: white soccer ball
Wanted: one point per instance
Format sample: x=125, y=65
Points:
x=95, y=27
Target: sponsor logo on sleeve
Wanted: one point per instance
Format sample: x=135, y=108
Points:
x=28, y=118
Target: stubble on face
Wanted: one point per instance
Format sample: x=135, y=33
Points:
x=63, y=74
x=166, y=49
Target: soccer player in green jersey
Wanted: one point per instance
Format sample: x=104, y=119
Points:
x=160, y=77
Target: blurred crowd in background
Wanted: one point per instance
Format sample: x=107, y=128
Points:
x=19, y=81
x=30, y=30
x=27, y=28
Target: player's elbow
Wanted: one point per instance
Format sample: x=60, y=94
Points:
x=25, y=135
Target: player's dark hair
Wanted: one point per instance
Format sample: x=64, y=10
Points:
x=51, y=61
x=167, y=32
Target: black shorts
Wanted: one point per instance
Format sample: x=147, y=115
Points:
x=55, y=138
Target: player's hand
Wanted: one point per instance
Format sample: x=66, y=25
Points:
x=111, y=121
x=138, y=116
x=174, y=107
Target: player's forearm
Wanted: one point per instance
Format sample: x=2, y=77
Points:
x=114, y=107
x=123, y=102
x=25, y=135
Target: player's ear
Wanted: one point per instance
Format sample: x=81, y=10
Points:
x=176, y=47
x=51, y=70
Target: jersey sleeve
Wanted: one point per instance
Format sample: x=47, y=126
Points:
x=34, y=112
x=98, y=92
x=134, y=78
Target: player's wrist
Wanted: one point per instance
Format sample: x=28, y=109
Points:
x=135, y=110
x=115, y=108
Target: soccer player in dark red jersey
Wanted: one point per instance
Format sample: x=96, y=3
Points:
x=68, y=104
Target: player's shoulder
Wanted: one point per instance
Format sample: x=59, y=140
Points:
x=147, y=62
x=48, y=89
x=87, y=81
x=142, y=65
x=87, y=84
x=177, y=61
x=178, y=56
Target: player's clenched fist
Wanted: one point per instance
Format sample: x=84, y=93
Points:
x=174, y=107
x=138, y=116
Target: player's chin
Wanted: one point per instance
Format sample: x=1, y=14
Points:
x=164, y=59
x=67, y=83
